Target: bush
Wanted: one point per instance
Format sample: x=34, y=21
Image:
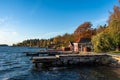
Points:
x=102, y=42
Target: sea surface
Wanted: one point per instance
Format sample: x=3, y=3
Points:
x=14, y=65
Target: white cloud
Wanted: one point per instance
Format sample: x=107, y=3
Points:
x=8, y=36
x=8, y=30
x=14, y=33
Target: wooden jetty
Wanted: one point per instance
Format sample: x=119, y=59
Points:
x=43, y=53
x=46, y=53
x=44, y=59
x=72, y=59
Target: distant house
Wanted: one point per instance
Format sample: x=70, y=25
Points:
x=83, y=45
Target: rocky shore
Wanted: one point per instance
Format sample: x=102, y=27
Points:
x=115, y=60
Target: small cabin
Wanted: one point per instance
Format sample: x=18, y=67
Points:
x=83, y=45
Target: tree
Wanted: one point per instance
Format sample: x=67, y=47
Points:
x=101, y=28
x=108, y=38
x=114, y=26
x=83, y=31
x=102, y=42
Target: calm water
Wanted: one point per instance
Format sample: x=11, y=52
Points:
x=14, y=65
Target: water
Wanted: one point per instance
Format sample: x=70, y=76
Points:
x=14, y=65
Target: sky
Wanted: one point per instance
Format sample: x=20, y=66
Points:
x=43, y=19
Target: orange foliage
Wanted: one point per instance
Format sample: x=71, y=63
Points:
x=84, y=31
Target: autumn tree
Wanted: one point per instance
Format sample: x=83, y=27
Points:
x=108, y=38
x=66, y=38
x=101, y=28
x=114, y=26
x=83, y=31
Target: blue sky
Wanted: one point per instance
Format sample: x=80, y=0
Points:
x=29, y=19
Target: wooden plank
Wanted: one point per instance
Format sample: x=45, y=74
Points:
x=79, y=55
x=45, y=59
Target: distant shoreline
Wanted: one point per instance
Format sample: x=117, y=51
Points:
x=3, y=45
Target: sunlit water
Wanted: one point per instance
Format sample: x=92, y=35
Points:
x=14, y=65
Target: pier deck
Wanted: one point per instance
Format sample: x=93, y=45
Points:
x=44, y=59
x=72, y=59
x=48, y=53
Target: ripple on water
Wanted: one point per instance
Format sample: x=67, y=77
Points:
x=14, y=65
x=19, y=75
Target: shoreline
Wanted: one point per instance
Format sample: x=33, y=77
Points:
x=115, y=62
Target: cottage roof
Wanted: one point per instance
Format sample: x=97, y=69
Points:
x=85, y=40
x=71, y=43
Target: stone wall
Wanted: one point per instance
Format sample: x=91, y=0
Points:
x=77, y=59
x=67, y=60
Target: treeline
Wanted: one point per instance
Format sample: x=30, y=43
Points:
x=56, y=42
x=104, y=38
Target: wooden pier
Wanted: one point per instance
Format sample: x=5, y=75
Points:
x=72, y=59
x=46, y=53
x=44, y=59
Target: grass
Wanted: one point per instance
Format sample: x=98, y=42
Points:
x=118, y=52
